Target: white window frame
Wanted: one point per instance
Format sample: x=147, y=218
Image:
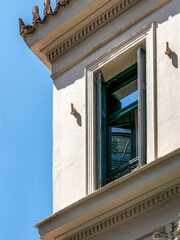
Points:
x=148, y=34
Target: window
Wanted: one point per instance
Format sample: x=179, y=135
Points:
x=121, y=122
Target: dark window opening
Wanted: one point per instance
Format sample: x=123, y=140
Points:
x=121, y=122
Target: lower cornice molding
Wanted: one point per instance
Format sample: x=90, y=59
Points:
x=126, y=214
x=91, y=28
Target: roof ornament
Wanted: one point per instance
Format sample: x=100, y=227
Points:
x=47, y=7
x=22, y=26
x=27, y=29
x=62, y=2
x=36, y=16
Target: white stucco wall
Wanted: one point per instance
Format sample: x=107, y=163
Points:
x=69, y=141
x=168, y=84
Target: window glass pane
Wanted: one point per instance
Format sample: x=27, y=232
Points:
x=120, y=147
x=129, y=99
x=127, y=94
x=122, y=158
x=122, y=103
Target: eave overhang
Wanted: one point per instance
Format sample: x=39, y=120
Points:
x=129, y=196
x=68, y=25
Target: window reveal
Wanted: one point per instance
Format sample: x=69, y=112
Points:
x=121, y=122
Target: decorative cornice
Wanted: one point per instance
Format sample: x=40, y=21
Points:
x=91, y=28
x=27, y=29
x=130, y=212
x=170, y=231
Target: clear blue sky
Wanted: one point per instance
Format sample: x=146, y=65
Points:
x=25, y=128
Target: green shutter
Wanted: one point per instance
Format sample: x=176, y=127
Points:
x=101, y=131
x=141, y=107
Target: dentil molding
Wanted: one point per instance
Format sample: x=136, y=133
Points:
x=91, y=28
x=172, y=230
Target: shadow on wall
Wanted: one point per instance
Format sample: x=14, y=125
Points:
x=68, y=78
x=174, y=57
x=64, y=81
x=163, y=18
x=75, y=73
x=78, y=119
x=168, y=11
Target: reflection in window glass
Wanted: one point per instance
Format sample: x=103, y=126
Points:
x=120, y=146
x=122, y=136
x=127, y=94
x=129, y=99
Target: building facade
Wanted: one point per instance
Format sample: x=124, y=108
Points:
x=116, y=117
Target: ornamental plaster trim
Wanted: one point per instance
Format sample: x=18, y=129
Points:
x=132, y=211
x=170, y=231
x=91, y=28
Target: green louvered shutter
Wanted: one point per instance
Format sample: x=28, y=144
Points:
x=101, y=131
x=141, y=107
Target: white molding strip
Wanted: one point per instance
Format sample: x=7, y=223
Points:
x=95, y=66
x=91, y=28
x=126, y=214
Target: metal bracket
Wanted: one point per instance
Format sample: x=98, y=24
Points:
x=168, y=50
x=73, y=110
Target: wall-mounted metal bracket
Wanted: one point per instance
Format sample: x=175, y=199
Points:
x=168, y=50
x=73, y=110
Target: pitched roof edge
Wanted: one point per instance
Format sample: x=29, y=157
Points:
x=36, y=20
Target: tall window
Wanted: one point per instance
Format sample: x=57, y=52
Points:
x=121, y=122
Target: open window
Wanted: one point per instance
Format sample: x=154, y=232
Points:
x=121, y=122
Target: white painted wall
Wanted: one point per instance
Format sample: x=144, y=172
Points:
x=168, y=84
x=69, y=156
x=68, y=139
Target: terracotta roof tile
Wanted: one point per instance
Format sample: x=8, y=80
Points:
x=27, y=29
